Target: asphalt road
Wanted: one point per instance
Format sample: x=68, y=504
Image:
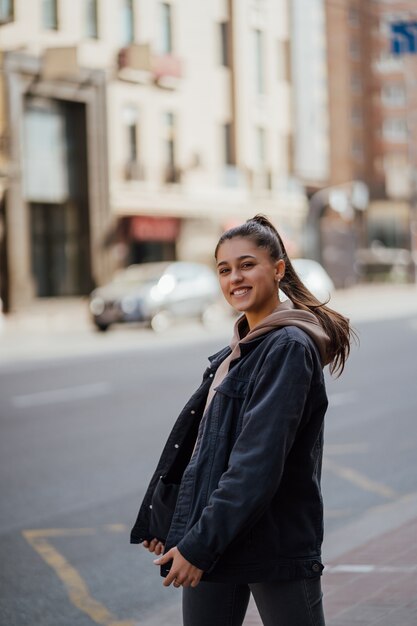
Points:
x=80, y=437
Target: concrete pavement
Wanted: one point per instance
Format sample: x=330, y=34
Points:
x=374, y=581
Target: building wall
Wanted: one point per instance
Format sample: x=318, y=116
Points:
x=310, y=81
x=142, y=81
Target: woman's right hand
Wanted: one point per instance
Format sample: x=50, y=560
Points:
x=154, y=546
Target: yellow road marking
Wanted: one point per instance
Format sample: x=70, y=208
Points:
x=358, y=479
x=75, y=586
x=116, y=528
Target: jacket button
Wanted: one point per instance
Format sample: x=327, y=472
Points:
x=150, y=506
x=176, y=446
x=192, y=412
x=211, y=376
x=316, y=567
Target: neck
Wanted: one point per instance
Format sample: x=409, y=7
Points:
x=254, y=319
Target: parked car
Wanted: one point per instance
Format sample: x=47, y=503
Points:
x=156, y=294
x=315, y=278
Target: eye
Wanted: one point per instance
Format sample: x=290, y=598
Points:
x=247, y=264
x=223, y=270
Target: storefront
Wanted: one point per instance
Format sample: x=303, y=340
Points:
x=56, y=210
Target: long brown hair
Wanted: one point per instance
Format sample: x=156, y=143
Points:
x=260, y=230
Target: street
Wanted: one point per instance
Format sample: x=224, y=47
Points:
x=81, y=435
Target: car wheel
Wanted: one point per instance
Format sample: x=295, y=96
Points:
x=102, y=327
x=161, y=321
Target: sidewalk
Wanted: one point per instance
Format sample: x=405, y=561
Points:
x=372, y=585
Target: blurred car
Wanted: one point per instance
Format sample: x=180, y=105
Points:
x=156, y=294
x=314, y=277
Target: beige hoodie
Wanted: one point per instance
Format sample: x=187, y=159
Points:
x=284, y=315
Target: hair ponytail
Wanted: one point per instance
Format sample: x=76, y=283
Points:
x=264, y=234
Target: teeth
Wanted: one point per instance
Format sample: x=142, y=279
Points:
x=240, y=292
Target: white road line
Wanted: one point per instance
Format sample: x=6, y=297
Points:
x=344, y=397
x=55, y=396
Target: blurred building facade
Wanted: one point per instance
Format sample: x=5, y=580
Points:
x=372, y=104
x=136, y=130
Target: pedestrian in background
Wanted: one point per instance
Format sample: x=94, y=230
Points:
x=235, y=506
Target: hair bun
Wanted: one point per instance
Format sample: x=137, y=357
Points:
x=262, y=220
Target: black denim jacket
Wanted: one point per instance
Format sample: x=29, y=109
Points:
x=249, y=507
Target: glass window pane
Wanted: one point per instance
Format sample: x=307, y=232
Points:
x=259, y=65
x=166, y=28
x=261, y=146
x=50, y=14
x=127, y=22
x=224, y=43
x=227, y=138
x=6, y=11
x=91, y=19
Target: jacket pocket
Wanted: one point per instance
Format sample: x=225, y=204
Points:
x=233, y=387
x=164, y=500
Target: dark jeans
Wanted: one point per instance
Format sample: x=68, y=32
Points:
x=289, y=603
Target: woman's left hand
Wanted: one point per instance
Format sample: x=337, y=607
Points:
x=182, y=571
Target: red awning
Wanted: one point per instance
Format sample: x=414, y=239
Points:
x=144, y=228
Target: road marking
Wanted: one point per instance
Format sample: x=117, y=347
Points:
x=344, y=397
x=358, y=479
x=367, y=569
x=74, y=584
x=67, y=394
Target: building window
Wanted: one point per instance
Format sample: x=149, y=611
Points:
x=227, y=144
x=134, y=166
x=166, y=28
x=395, y=129
x=357, y=150
x=259, y=61
x=353, y=16
x=130, y=118
x=91, y=19
x=171, y=174
x=6, y=11
x=260, y=147
x=394, y=95
x=127, y=22
x=50, y=14
x=283, y=60
x=356, y=83
x=356, y=115
x=355, y=51
x=224, y=44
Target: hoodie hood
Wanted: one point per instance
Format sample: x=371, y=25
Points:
x=284, y=315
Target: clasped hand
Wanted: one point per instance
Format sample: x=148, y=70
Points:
x=182, y=572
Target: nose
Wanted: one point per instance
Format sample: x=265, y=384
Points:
x=235, y=275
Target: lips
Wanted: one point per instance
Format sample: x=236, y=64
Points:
x=240, y=291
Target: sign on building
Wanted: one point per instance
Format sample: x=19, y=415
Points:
x=404, y=38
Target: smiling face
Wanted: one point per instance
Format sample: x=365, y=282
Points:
x=249, y=278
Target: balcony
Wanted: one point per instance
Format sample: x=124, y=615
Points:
x=134, y=170
x=172, y=175
x=139, y=60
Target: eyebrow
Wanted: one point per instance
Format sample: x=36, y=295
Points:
x=239, y=258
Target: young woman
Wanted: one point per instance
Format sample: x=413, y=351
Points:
x=235, y=505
